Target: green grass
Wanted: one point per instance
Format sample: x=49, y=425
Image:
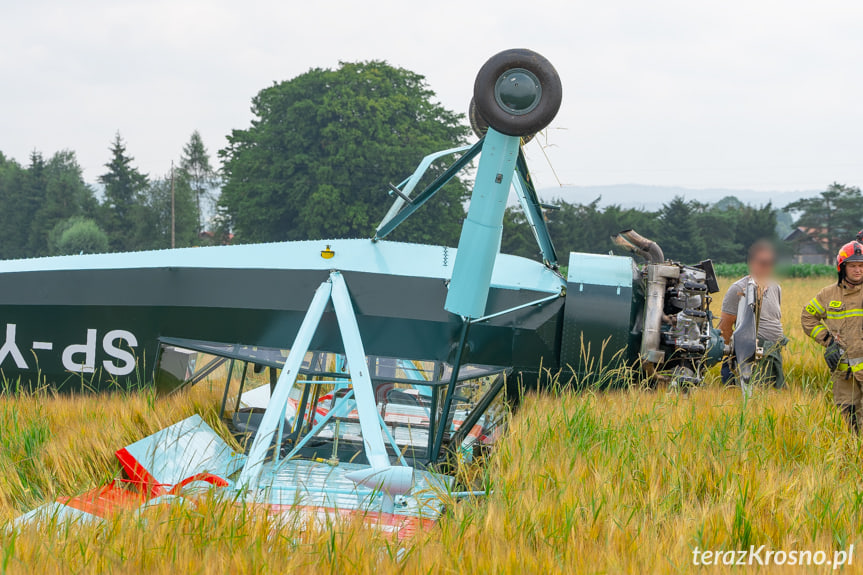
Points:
x=628, y=481
x=783, y=271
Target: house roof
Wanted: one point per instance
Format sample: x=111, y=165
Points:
x=817, y=236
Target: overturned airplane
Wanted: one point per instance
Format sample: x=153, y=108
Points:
x=380, y=355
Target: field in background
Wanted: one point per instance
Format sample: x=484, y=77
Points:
x=783, y=270
x=628, y=481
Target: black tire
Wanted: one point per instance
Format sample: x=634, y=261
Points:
x=544, y=92
x=477, y=122
x=480, y=126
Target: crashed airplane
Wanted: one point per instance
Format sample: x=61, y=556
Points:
x=378, y=357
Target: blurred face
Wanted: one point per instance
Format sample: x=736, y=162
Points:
x=762, y=263
x=854, y=272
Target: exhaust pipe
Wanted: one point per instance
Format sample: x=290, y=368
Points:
x=654, y=304
x=648, y=249
x=654, y=296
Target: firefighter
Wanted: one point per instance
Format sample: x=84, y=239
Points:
x=834, y=319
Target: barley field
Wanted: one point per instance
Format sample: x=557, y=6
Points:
x=630, y=481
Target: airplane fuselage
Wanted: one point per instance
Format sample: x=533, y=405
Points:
x=97, y=319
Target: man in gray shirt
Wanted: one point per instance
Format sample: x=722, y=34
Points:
x=761, y=260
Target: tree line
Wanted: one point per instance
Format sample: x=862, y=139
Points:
x=317, y=161
x=688, y=231
x=833, y=217
x=46, y=207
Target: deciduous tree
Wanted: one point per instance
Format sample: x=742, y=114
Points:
x=63, y=194
x=317, y=158
x=78, y=235
x=834, y=216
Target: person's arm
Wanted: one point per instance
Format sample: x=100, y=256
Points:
x=729, y=311
x=812, y=321
x=726, y=325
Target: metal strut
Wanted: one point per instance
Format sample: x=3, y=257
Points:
x=336, y=291
x=394, y=218
x=532, y=208
x=280, y=395
x=450, y=391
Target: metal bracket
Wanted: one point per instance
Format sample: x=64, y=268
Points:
x=394, y=189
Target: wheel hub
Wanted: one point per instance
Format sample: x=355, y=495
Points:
x=517, y=91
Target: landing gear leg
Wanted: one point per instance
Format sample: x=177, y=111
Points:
x=450, y=392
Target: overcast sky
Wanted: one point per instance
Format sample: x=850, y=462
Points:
x=753, y=94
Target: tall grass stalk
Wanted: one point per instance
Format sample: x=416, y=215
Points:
x=623, y=481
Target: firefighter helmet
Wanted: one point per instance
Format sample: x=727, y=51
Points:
x=850, y=252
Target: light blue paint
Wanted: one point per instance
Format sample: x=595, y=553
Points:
x=597, y=269
x=334, y=291
x=479, y=243
x=392, y=440
x=185, y=449
x=364, y=391
x=342, y=407
x=535, y=221
x=411, y=372
x=273, y=417
x=383, y=257
x=408, y=185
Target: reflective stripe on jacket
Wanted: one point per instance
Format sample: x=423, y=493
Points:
x=837, y=311
x=854, y=364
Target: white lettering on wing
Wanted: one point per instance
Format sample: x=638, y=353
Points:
x=11, y=348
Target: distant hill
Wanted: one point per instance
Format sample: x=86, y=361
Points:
x=652, y=197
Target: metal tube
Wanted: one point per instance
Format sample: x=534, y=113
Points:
x=654, y=302
x=648, y=249
x=517, y=308
x=392, y=441
x=274, y=377
x=450, y=392
x=408, y=184
x=242, y=384
x=529, y=200
x=299, y=420
x=277, y=447
x=364, y=392
x=279, y=397
x=480, y=238
x=652, y=317
x=211, y=366
x=432, y=419
x=391, y=223
x=227, y=387
x=478, y=411
x=336, y=409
